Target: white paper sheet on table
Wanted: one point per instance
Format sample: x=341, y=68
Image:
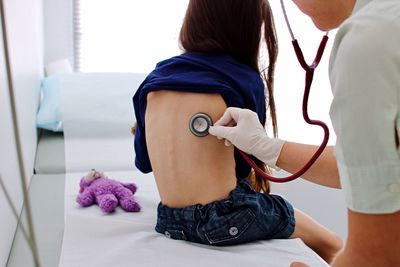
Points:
x=92, y=239
x=97, y=116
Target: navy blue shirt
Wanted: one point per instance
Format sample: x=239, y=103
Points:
x=238, y=84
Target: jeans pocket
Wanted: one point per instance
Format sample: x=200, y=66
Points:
x=229, y=229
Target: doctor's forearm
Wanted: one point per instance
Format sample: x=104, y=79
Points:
x=324, y=171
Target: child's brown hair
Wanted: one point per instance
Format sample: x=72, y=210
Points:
x=235, y=27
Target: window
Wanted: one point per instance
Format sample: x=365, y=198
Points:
x=133, y=35
x=128, y=35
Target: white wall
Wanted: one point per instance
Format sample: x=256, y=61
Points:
x=25, y=33
x=26, y=52
x=8, y=167
x=58, y=30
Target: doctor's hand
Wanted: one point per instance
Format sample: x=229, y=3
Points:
x=242, y=128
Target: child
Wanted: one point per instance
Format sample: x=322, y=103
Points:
x=208, y=192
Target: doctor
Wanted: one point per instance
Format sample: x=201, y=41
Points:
x=365, y=112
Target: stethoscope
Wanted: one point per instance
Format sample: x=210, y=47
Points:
x=201, y=122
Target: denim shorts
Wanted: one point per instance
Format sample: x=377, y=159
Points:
x=244, y=216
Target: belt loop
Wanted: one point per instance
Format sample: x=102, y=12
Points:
x=202, y=211
x=196, y=213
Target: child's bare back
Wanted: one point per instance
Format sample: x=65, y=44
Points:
x=188, y=169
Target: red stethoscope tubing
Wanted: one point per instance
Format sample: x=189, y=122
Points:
x=308, y=81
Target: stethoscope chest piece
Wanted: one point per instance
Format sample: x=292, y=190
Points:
x=199, y=124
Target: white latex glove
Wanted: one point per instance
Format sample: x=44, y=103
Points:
x=242, y=128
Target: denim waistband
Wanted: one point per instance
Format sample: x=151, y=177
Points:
x=197, y=212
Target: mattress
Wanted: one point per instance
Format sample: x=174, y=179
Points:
x=119, y=239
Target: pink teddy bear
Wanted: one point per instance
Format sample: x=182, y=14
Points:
x=98, y=188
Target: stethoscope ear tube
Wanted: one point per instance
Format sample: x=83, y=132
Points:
x=320, y=52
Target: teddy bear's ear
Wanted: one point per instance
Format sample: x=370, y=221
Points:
x=90, y=176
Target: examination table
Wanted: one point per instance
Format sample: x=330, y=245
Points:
x=49, y=192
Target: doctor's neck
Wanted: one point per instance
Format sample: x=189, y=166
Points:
x=327, y=14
